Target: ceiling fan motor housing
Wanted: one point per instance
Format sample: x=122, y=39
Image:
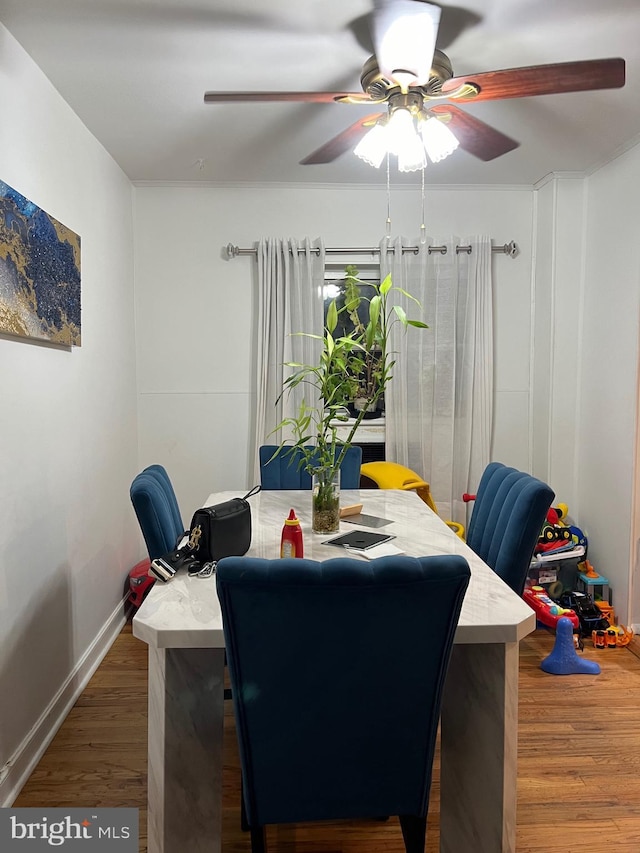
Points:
x=379, y=87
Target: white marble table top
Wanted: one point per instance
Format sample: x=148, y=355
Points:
x=185, y=612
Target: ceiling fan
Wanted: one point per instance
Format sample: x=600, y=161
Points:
x=413, y=78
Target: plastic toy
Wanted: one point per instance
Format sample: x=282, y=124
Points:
x=591, y=617
x=616, y=636
x=607, y=611
x=548, y=612
x=554, y=535
x=588, y=569
x=557, y=535
x=592, y=583
x=564, y=659
x=391, y=475
x=140, y=582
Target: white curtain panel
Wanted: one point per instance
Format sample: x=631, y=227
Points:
x=290, y=300
x=439, y=405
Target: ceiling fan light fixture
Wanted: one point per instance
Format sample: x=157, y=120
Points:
x=412, y=157
x=405, y=33
x=373, y=147
x=400, y=130
x=439, y=141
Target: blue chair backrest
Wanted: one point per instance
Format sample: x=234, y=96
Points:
x=508, y=514
x=160, y=472
x=319, y=654
x=155, y=513
x=284, y=471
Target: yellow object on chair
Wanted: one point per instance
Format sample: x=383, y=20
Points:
x=392, y=475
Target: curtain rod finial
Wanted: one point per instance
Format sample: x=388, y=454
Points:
x=231, y=251
x=511, y=249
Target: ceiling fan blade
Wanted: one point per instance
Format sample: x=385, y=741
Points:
x=584, y=75
x=343, y=142
x=476, y=137
x=404, y=35
x=307, y=97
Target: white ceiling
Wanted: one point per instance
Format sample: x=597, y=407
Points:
x=135, y=71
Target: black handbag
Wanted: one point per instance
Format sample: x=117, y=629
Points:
x=222, y=530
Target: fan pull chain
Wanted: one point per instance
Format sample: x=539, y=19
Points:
x=423, y=227
x=388, y=197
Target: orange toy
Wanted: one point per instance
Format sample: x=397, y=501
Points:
x=616, y=636
x=607, y=611
x=588, y=571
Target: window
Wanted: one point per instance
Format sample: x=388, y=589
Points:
x=334, y=288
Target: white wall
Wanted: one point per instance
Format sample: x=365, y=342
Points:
x=585, y=370
x=67, y=427
x=194, y=309
x=557, y=313
x=608, y=386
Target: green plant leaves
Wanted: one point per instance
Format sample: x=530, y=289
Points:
x=374, y=321
x=355, y=364
x=385, y=286
x=332, y=316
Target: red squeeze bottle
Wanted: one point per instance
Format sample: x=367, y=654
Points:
x=291, y=541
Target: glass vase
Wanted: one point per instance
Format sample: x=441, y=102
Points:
x=325, y=515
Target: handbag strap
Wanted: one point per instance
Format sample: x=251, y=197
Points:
x=254, y=491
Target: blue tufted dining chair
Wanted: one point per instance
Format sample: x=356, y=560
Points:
x=508, y=514
x=157, y=510
x=161, y=474
x=285, y=472
x=312, y=648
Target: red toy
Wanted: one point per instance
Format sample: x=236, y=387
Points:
x=555, y=535
x=547, y=611
x=140, y=582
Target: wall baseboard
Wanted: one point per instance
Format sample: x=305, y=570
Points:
x=17, y=770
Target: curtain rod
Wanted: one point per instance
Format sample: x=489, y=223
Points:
x=510, y=249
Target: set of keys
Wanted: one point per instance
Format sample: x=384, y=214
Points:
x=206, y=570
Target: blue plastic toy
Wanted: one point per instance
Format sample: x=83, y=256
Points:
x=564, y=659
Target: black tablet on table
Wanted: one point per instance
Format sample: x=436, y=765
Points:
x=360, y=540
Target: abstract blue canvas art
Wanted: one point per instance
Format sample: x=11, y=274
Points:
x=39, y=273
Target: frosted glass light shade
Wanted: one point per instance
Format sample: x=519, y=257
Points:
x=438, y=140
x=372, y=148
x=411, y=155
x=400, y=127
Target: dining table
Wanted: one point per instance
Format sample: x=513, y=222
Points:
x=181, y=622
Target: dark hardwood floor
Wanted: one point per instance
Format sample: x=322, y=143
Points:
x=579, y=760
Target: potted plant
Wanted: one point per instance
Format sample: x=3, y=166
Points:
x=334, y=382
x=371, y=333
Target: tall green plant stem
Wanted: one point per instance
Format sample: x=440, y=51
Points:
x=334, y=380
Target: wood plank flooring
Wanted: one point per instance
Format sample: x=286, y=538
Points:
x=578, y=765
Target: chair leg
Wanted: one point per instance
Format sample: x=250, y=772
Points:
x=258, y=839
x=414, y=832
x=244, y=823
x=258, y=834
x=227, y=690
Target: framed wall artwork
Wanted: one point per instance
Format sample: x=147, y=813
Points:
x=39, y=273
